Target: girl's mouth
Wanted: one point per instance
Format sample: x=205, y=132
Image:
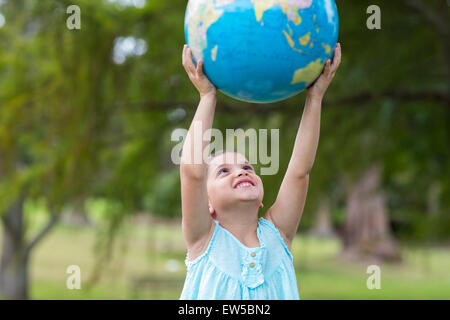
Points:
x=244, y=183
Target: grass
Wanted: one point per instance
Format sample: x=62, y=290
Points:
x=157, y=252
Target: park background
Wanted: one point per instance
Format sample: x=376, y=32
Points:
x=86, y=176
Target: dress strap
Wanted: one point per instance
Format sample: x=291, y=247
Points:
x=277, y=232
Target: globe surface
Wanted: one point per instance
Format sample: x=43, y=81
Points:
x=262, y=51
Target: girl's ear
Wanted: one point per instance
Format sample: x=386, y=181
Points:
x=211, y=209
x=261, y=206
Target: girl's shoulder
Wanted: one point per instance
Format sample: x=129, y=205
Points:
x=275, y=237
x=223, y=248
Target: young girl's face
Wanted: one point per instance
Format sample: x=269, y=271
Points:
x=231, y=178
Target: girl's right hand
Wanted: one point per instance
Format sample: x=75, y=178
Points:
x=196, y=75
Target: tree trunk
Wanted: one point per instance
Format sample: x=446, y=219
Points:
x=76, y=217
x=433, y=199
x=14, y=258
x=367, y=233
x=323, y=226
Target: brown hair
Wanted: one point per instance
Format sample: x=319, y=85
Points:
x=219, y=153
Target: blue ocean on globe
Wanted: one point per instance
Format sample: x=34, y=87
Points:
x=262, y=51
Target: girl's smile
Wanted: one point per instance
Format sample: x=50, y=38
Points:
x=244, y=183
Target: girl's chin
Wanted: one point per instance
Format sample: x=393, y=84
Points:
x=246, y=189
x=248, y=196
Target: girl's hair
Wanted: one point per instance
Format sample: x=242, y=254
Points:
x=218, y=153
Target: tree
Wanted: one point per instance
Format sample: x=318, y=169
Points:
x=56, y=120
x=77, y=124
x=367, y=231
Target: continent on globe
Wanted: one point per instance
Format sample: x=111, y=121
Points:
x=262, y=50
x=289, y=7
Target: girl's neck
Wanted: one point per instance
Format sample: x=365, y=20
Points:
x=242, y=224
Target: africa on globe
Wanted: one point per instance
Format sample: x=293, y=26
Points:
x=262, y=51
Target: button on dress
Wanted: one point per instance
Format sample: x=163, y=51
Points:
x=229, y=270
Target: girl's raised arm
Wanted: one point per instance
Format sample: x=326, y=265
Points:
x=196, y=220
x=287, y=210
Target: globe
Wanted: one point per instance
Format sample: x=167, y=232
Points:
x=261, y=51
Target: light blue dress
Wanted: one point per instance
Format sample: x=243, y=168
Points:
x=228, y=270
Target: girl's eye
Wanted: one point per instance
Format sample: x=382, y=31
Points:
x=223, y=170
x=248, y=168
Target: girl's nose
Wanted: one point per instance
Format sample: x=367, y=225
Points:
x=242, y=172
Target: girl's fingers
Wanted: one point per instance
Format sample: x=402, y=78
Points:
x=327, y=67
x=200, y=67
x=337, y=58
x=187, y=61
x=183, y=56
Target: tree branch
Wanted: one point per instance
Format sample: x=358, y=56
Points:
x=42, y=233
x=431, y=15
x=364, y=97
x=354, y=100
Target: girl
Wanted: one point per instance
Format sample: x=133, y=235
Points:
x=231, y=254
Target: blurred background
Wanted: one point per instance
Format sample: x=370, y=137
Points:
x=86, y=176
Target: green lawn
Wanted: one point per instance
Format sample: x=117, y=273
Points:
x=158, y=252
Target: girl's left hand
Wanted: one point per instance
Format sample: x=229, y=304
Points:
x=320, y=87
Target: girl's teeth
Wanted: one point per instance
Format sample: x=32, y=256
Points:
x=244, y=185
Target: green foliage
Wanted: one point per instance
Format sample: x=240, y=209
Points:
x=79, y=130
x=76, y=125
x=164, y=195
